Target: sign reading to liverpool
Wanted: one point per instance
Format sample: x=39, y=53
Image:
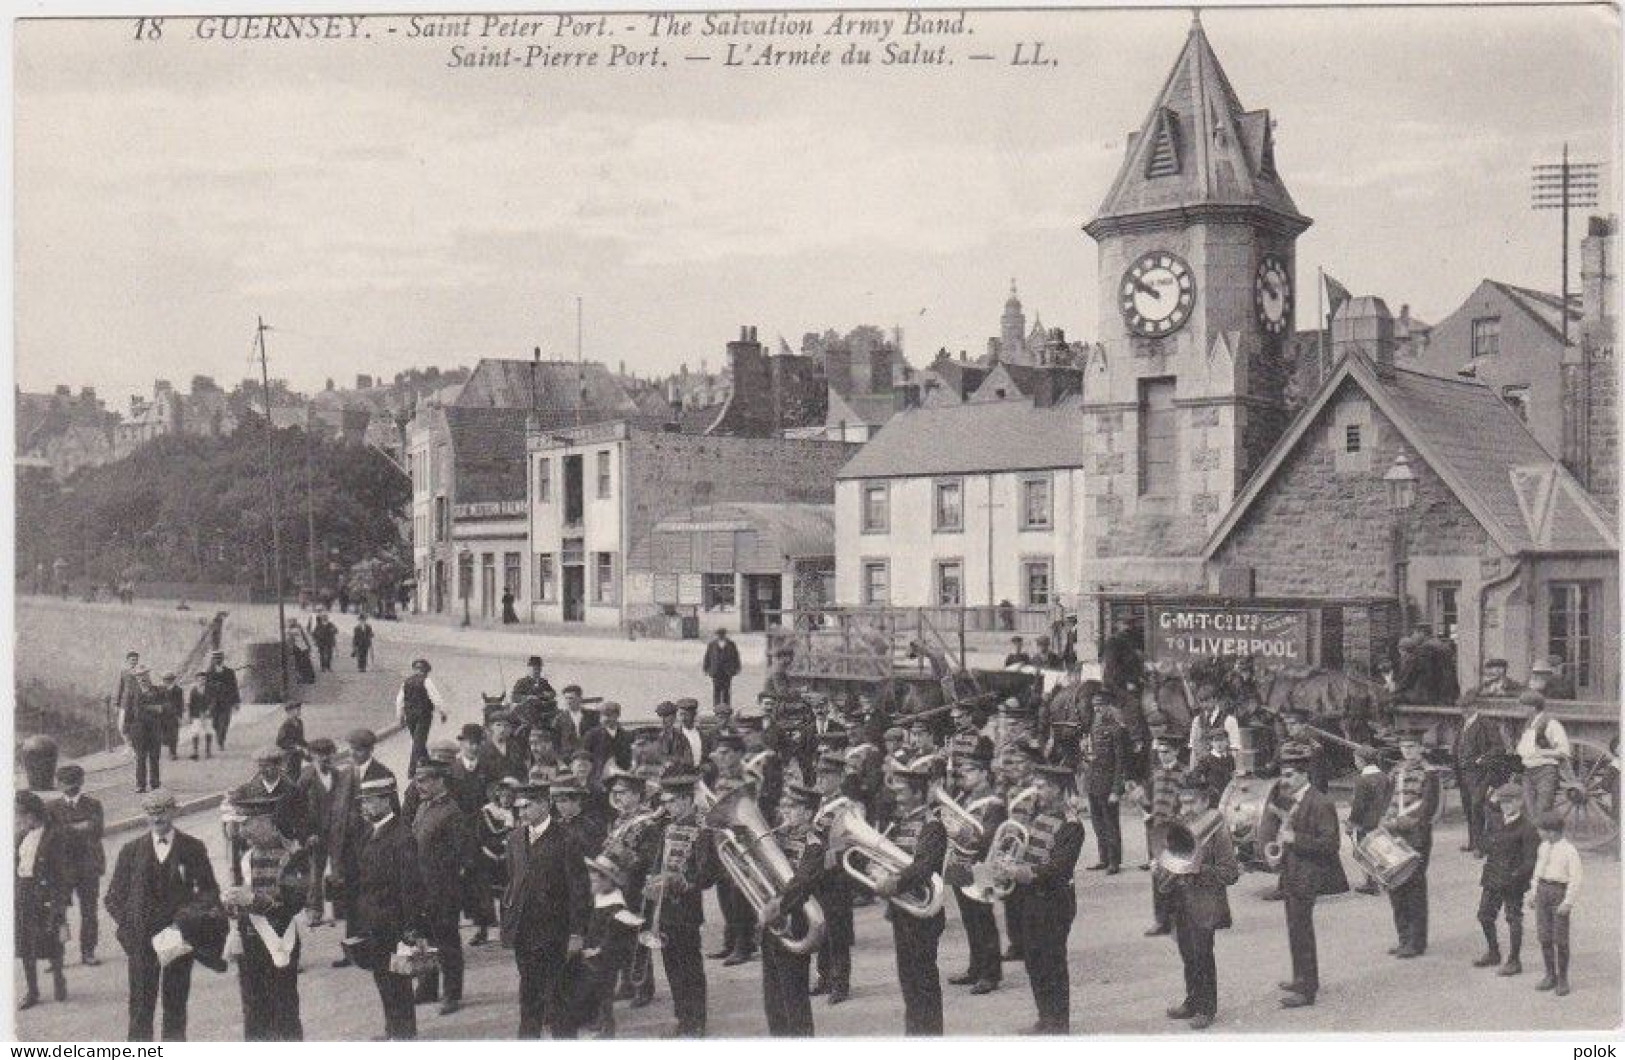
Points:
x=1181, y=634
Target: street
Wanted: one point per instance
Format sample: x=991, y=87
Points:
x=1121, y=982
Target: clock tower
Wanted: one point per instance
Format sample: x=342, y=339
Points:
x=1197, y=288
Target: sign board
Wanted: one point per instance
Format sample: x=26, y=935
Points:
x=488, y=509
x=1180, y=633
x=690, y=589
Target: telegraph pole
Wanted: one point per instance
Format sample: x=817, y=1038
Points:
x=310, y=502
x=1563, y=186
x=276, y=508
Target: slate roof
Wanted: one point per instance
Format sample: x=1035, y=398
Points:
x=1546, y=309
x=488, y=447
x=561, y=387
x=1484, y=452
x=870, y=409
x=990, y=436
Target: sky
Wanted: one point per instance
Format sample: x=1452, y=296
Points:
x=383, y=211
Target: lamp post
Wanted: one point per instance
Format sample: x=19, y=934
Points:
x=465, y=562
x=1401, y=483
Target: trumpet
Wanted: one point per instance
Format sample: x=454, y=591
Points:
x=866, y=855
x=759, y=868
x=990, y=878
x=965, y=832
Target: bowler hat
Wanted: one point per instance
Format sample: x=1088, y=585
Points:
x=534, y=660
x=1530, y=698
x=70, y=774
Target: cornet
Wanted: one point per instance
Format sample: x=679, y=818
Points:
x=990, y=878
x=866, y=855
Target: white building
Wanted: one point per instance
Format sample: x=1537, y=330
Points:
x=976, y=505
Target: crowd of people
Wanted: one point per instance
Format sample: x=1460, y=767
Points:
x=586, y=847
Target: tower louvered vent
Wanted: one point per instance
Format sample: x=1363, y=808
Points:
x=1163, y=160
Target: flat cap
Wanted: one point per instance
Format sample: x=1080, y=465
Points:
x=361, y=738
x=665, y=708
x=268, y=753
x=72, y=773
x=567, y=689
x=472, y=731
x=158, y=800
x=687, y=703
x=321, y=745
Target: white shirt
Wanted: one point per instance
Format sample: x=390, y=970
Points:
x=538, y=830
x=1559, y=862
x=378, y=825
x=161, y=846
x=1199, y=727
x=695, y=745
x=1543, y=756
x=326, y=779
x=28, y=853
x=270, y=785
x=430, y=688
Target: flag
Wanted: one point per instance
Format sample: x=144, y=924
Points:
x=1336, y=294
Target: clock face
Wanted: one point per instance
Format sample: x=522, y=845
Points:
x=1272, y=294
x=1157, y=294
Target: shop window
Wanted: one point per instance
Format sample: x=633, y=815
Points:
x=717, y=592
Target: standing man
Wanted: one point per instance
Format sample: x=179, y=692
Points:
x=721, y=666
x=268, y=906
x=985, y=970
x=1310, y=867
x=390, y=901
x=361, y=642
x=834, y=893
x=785, y=996
x=608, y=742
x=1477, y=742
x=545, y=908
x=81, y=820
x=1543, y=746
x=326, y=793
x=1409, y=816
x=154, y=877
x=326, y=636
x=415, y=707
x=1198, y=902
x=1110, y=760
x=127, y=696
x=1161, y=803
x=573, y=722
x=290, y=738
x=691, y=747
x=144, y=729
x=444, y=837
x=174, y=710
x=924, y=840
x=507, y=753
x=224, y=696
x=686, y=867
x=346, y=843
x=1049, y=903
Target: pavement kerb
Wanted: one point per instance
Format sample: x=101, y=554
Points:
x=205, y=802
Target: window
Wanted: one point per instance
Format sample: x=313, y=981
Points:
x=1351, y=438
x=1035, y=582
x=512, y=579
x=603, y=581
x=442, y=519
x=876, y=583
x=1159, y=438
x=876, y=508
x=950, y=581
x=717, y=592
x=1036, y=507
x=1444, y=608
x=1486, y=337
x=603, y=475
x=948, y=513
x=544, y=577
x=544, y=480
x=1572, y=618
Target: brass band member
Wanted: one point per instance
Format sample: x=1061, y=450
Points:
x=269, y=909
x=786, y=999
x=686, y=867
x=834, y=893
x=390, y=901
x=1049, y=903
x=1020, y=795
x=633, y=844
x=544, y=910
x=967, y=740
x=1310, y=867
x=1160, y=801
x=923, y=838
x=976, y=794
x=724, y=774
x=1410, y=817
x=1197, y=901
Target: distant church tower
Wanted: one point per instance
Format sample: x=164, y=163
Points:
x=1013, y=329
x=1197, y=285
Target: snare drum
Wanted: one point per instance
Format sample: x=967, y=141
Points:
x=1389, y=859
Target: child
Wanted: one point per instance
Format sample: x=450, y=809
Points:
x=1557, y=885
x=611, y=934
x=198, y=714
x=1510, y=844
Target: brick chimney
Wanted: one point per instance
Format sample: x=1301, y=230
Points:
x=1591, y=371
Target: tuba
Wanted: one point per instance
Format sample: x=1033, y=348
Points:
x=753, y=860
x=964, y=830
x=990, y=877
x=1187, y=843
x=866, y=855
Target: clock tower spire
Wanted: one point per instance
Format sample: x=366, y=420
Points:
x=1195, y=238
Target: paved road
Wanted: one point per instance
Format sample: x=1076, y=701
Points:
x=1120, y=981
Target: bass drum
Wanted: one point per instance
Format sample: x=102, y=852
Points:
x=1246, y=807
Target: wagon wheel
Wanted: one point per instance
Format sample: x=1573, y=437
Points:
x=1587, y=790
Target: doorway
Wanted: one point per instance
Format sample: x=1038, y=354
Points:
x=763, y=598
x=575, y=593
x=488, y=585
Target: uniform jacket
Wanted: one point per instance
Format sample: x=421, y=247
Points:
x=390, y=898
x=549, y=897
x=1413, y=798
x=445, y=842
x=1110, y=757
x=1310, y=865
x=1372, y=791
x=144, y=895
x=1201, y=897
x=928, y=851
x=699, y=870
x=82, y=825
x=1509, y=854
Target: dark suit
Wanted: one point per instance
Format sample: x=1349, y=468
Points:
x=322, y=805
x=1509, y=864
x=569, y=732
x=346, y=841
x=445, y=842
x=1200, y=907
x=721, y=666
x=143, y=898
x=1478, y=740
x=606, y=746
x=82, y=826
x=548, y=900
x=1310, y=867
x=1110, y=765
x=683, y=754
x=390, y=901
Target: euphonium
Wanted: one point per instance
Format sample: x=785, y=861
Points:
x=990, y=877
x=964, y=830
x=866, y=855
x=753, y=860
x=1187, y=843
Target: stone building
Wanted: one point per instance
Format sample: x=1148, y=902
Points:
x=595, y=494
x=772, y=393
